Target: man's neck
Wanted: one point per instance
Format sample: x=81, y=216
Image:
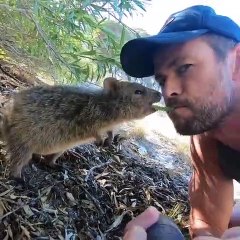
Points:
x=231, y=123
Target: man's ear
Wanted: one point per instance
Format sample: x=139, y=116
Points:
x=110, y=84
x=236, y=65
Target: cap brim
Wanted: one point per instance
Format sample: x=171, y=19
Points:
x=137, y=55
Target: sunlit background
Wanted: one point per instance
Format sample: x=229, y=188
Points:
x=158, y=11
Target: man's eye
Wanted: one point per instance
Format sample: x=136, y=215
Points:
x=182, y=69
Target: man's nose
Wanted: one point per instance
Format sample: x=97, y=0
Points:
x=172, y=88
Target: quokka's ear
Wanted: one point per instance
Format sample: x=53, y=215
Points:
x=111, y=84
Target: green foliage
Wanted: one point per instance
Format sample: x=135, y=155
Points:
x=69, y=39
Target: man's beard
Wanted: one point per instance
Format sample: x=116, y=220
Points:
x=204, y=118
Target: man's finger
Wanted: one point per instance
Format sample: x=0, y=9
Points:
x=135, y=233
x=145, y=219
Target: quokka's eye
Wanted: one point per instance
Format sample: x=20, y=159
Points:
x=138, y=92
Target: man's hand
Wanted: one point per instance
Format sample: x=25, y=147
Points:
x=136, y=229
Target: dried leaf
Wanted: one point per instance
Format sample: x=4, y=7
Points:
x=44, y=200
x=148, y=195
x=25, y=232
x=134, y=204
x=2, y=208
x=70, y=234
x=102, y=175
x=6, y=237
x=87, y=204
x=60, y=237
x=52, y=211
x=102, y=182
x=65, y=176
x=12, y=196
x=45, y=192
x=9, y=230
x=5, y=192
x=117, y=221
x=71, y=198
x=115, y=157
x=28, y=210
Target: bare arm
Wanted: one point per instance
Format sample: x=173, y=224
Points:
x=210, y=192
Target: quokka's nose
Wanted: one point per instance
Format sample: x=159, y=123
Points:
x=158, y=94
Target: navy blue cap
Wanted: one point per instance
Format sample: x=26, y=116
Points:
x=137, y=54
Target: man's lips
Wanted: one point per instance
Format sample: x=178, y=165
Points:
x=179, y=109
x=176, y=107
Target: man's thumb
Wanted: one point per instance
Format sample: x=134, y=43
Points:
x=135, y=233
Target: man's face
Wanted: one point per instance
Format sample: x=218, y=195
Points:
x=196, y=84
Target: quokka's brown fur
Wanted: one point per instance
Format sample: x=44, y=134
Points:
x=48, y=120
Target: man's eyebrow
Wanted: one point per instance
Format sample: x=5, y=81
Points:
x=175, y=61
x=172, y=63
